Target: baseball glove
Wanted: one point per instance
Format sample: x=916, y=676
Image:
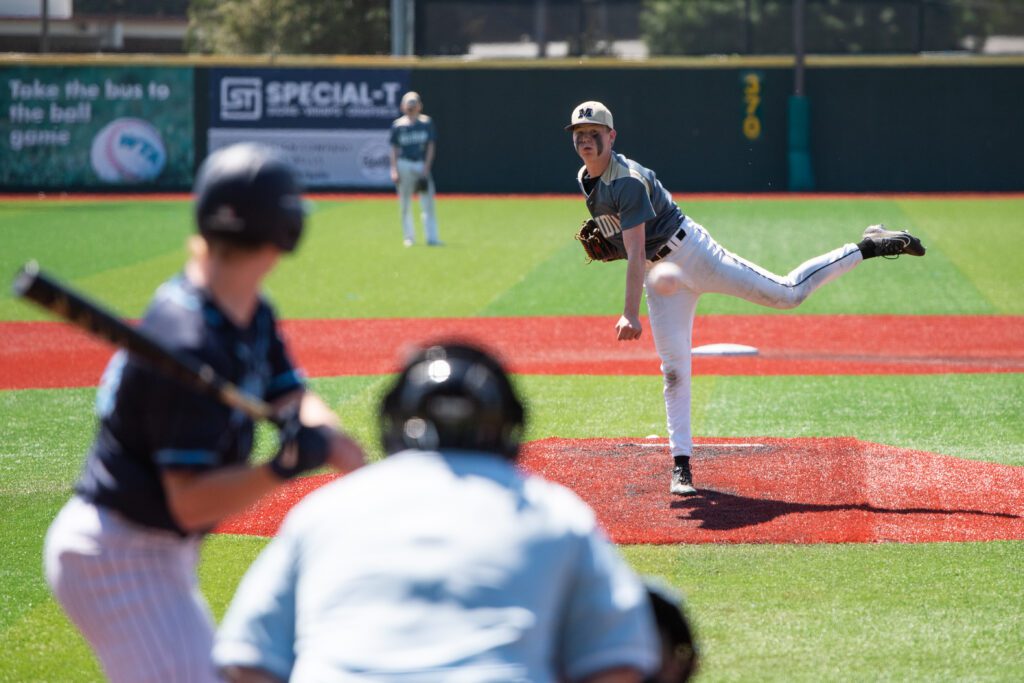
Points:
x=597, y=246
x=680, y=659
x=423, y=184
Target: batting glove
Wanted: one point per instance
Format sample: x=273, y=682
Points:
x=301, y=449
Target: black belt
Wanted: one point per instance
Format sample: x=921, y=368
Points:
x=667, y=248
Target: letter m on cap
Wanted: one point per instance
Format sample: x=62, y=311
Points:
x=586, y=113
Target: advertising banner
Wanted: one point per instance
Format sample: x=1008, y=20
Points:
x=96, y=127
x=333, y=124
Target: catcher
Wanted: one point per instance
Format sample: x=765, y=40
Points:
x=634, y=218
x=466, y=568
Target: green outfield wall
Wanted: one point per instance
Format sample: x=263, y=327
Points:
x=932, y=123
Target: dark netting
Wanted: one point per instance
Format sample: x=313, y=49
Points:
x=177, y=9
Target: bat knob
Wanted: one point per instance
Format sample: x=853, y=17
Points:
x=25, y=278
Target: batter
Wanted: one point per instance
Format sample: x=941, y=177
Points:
x=168, y=463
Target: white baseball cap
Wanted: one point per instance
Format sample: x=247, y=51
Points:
x=590, y=112
x=411, y=97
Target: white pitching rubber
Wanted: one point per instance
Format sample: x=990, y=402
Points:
x=724, y=350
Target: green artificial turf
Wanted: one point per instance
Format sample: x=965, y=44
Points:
x=352, y=263
x=722, y=581
x=828, y=612
x=936, y=612
x=116, y=251
x=968, y=416
x=893, y=612
x=981, y=238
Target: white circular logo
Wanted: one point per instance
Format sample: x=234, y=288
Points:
x=128, y=150
x=374, y=161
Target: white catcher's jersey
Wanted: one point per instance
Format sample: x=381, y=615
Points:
x=427, y=567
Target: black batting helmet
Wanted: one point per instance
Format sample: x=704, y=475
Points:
x=452, y=396
x=248, y=194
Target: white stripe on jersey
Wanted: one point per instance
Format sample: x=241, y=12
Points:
x=609, y=224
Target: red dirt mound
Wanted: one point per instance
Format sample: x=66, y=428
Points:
x=760, y=490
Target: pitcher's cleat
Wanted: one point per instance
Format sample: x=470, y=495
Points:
x=682, y=481
x=892, y=242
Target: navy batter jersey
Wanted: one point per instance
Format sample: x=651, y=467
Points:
x=626, y=195
x=150, y=423
x=412, y=137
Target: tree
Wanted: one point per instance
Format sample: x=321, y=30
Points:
x=289, y=27
x=677, y=27
x=689, y=27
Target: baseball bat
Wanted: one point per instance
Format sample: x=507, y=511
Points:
x=34, y=285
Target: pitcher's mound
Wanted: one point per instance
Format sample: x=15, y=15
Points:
x=770, y=490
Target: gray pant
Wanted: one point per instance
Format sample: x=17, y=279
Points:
x=409, y=174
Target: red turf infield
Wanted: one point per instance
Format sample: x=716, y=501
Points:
x=50, y=354
x=759, y=490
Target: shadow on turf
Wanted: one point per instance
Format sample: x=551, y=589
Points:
x=724, y=511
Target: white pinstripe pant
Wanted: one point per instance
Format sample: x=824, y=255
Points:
x=708, y=267
x=133, y=593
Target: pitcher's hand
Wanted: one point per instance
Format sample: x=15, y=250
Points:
x=628, y=328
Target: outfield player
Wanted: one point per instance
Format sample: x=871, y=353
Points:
x=645, y=226
x=413, y=145
x=462, y=568
x=167, y=463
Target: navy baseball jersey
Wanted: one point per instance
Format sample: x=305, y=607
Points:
x=150, y=423
x=626, y=195
x=412, y=137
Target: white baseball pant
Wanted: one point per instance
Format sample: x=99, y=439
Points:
x=133, y=594
x=409, y=174
x=708, y=267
